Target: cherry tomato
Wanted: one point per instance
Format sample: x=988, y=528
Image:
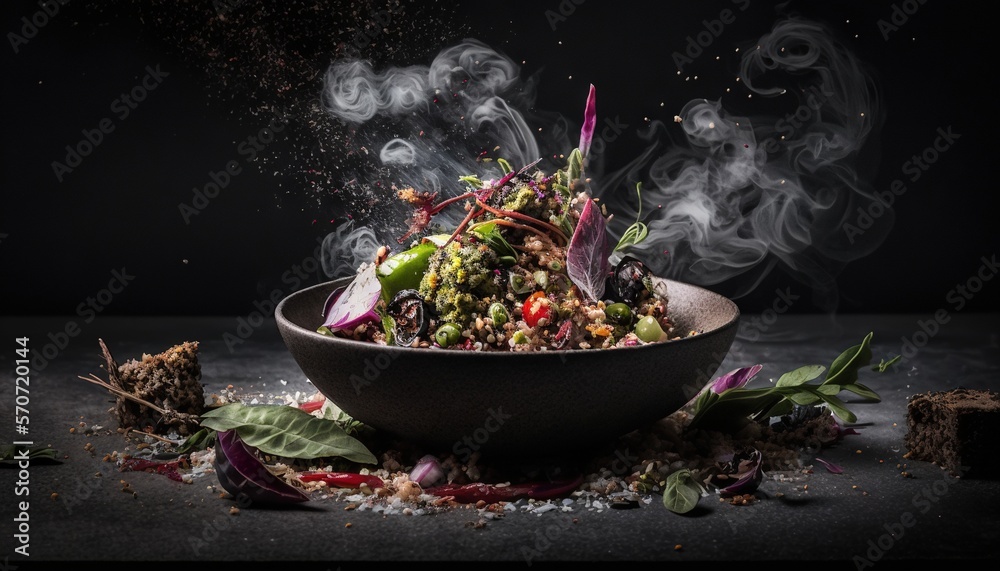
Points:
x=536, y=308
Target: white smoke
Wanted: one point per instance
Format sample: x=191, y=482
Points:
x=735, y=197
x=745, y=194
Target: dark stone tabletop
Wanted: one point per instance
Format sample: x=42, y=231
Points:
x=869, y=515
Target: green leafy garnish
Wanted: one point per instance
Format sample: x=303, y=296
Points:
x=288, y=432
x=638, y=231
x=198, y=441
x=11, y=454
x=681, y=491
x=490, y=234
x=731, y=408
x=883, y=365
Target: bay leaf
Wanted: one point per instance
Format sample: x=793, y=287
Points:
x=287, y=431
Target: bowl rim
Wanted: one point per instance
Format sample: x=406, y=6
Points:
x=285, y=322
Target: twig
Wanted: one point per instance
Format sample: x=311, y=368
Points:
x=160, y=438
x=95, y=380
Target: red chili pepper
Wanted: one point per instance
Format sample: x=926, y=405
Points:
x=312, y=406
x=536, y=307
x=342, y=479
x=168, y=469
x=472, y=493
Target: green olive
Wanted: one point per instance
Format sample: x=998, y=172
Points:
x=498, y=313
x=448, y=334
x=649, y=330
x=619, y=314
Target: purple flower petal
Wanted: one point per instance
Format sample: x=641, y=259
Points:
x=830, y=466
x=589, y=122
x=742, y=474
x=735, y=379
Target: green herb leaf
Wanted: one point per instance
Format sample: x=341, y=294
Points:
x=198, y=441
x=884, y=365
x=844, y=369
x=287, y=431
x=10, y=454
x=681, y=491
x=800, y=376
x=838, y=408
x=490, y=234
x=638, y=231
x=472, y=181
x=862, y=391
x=507, y=169
x=575, y=165
x=736, y=407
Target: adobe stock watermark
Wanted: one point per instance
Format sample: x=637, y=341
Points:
x=545, y=538
x=565, y=9
x=495, y=419
x=923, y=501
x=121, y=107
x=958, y=297
x=813, y=100
x=249, y=148
x=915, y=168
x=303, y=271
x=82, y=490
x=86, y=311
x=712, y=30
x=383, y=18
x=212, y=529
x=898, y=17
x=31, y=25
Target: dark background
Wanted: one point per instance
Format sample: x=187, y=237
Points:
x=60, y=242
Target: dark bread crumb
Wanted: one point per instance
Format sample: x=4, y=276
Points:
x=170, y=380
x=957, y=430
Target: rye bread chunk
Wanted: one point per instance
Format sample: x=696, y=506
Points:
x=957, y=430
x=170, y=381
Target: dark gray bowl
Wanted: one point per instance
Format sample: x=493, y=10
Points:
x=541, y=403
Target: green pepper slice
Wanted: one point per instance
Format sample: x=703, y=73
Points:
x=405, y=269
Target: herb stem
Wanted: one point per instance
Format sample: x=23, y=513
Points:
x=524, y=217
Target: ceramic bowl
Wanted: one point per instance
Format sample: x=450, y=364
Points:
x=530, y=404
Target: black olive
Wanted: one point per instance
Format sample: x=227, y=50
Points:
x=628, y=281
x=410, y=316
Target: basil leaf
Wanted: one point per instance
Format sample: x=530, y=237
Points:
x=681, y=492
x=287, y=431
x=839, y=408
x=862, y=391
x=844, y=369
x=800, y=376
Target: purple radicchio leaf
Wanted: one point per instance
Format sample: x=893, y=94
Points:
x=741, y=475
x=830, y=466
x=735, y=379
x=348, y=307
x=589, y=122
x=587, y=254
x=243, y=475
